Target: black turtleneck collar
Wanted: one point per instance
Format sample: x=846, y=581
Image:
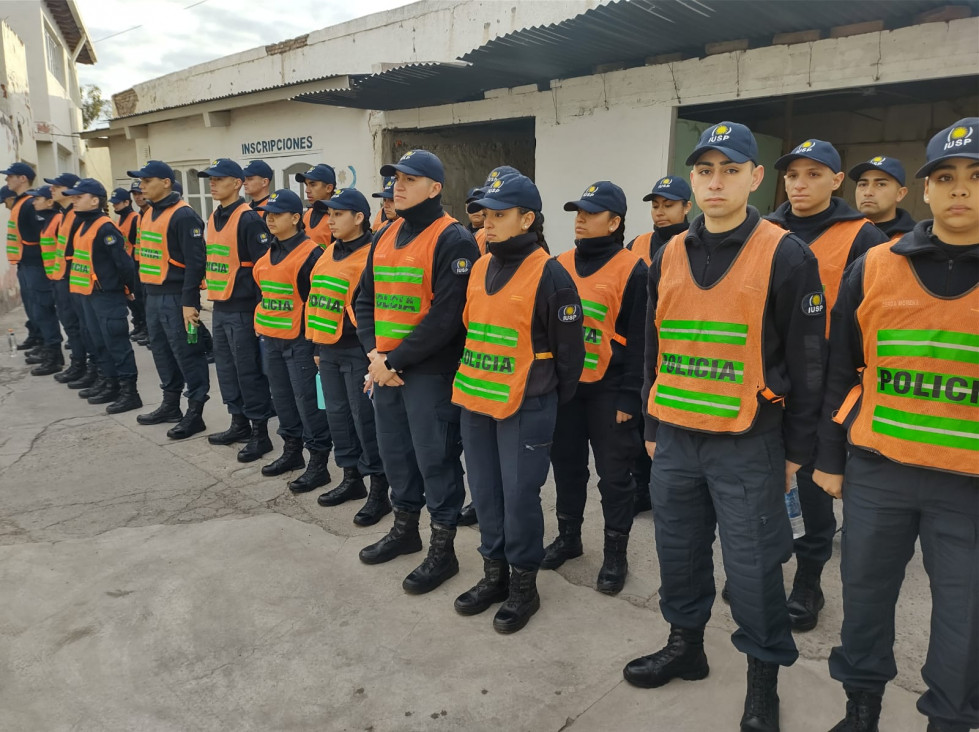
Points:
x=88, y=215
x=515, y=249
x=420, y=217
x=668, y=232
x=165, y=202
x=345, y=248
x=125, y=211
x=291, y=243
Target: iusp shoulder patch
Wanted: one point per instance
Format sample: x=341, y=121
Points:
x=461, y=266
x=197, y=233
x=110, y=239
x=569, y=313
x=263, y=237
x=814, y=304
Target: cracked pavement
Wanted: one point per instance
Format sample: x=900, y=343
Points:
x=158, y=585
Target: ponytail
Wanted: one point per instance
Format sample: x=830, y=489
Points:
x=619, y=234
x=537, y=228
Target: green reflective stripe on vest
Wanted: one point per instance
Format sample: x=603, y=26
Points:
x=271, y=321
x=493, y=334
x=706, y=331
x=62, y=239
x=593, y=309
x=928, y=385
x=48, y=255
x=942, y=344
x=410, y=275
x=698, y=401
x=216, y=284
x=46, y=241
x=481, y=388
x=591, y=361
x=148, y=269
x=83, y=256
x=387, y=329
x=944, y=431
x=337, y=284
x=278, y=288
x=218, y=250
x=151, y=236
x=317, y=323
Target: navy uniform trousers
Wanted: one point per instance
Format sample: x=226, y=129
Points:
x=508, y=460
x=348, y=409
x=178, y=363
x=238, y=363
x=108, y=327
x=291, y=372
x=736, y=484
x=887, y=507
x=816, y=545
x=72, y=320
x=418, y=436
x=37, y=294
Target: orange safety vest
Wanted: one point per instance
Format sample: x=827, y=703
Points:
x=641, y=246
x=331, y=291
x=499, y=352
x=378, y=220
x=403, y=282
x=126, y=226
x=709, y=373
x=15, y=244
x=82, y=279
x=601, y=299
x=49, y=245
x=260, y=202
x=480, y=237
x=154, y=251
x=62, y=259
x=320, y=233
x=222, y=256
x=280, y=313
x=918, y=400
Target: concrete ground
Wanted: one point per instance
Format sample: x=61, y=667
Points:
x=159, y=585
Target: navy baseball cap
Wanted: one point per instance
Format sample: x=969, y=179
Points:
x=259, y=168
x=733, y=139
x=601, y=196
x=6, y=193
x=222, y=168
x=63, y=179
x=283, y=201
x=87, y=185
x=153, y=169
x=475, y=194
x=499, y=173
x=42, y=192
x=387, y=191
x=134, y=186
x=321, y=172
x=510, y=191
x=672, y=187
x=818, y=150
x=891, y=166
x=177, y=186
x=417, y=162
x=349, y=199
x=119, y=195
x=957, y=141
x=20, y=169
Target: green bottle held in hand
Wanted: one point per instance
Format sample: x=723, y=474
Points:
x=192, y=332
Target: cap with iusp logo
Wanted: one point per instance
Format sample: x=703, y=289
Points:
x=672, y=187
x=601, y=196
x=819, y=151
x=957, y=141
x=891, y=166
x=730, y=138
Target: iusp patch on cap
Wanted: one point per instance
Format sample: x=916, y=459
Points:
x=878, y=160
x=569, y=313
x=802, y=147
x=461, y=266
x=958, y=136
x=813, y=304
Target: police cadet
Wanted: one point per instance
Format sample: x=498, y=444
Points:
x=236, y=238
x=283, y=275
x=341, y=359
x=902, y=388
x=732, y=412
x=102, y=271
x=476, y=216
x=139, y=200
x=387, y=213
x=409, y=319
x=258, y=178
x=171, y=265
x=37, y=291
x=522, y=356
x=606, y=408
x=880, y=187
x=128, y=224
x=33, y=336
x=320, y=182
x=837, y=235
x=493, y=176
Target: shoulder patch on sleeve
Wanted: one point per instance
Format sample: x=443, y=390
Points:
x=461, y=266
x=111, y=239
x=813, y=304
x=569, y=313
x=196, y=233
x=263, y=237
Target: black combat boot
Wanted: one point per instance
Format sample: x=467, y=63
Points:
x=52, y=361
x=168, y=411
x=403, y=538
x=239, y=431
x=109, y=393
x=87, y=379
x=566, y=546
x=352, y=487
x=862, y=712
x=683, y=657
x=30, y=342
x=467, y=516
x=806, y=598
x=35, y=356
x=378, y=504
x=127, y=400
x=75, y=371
x=440, y=564
x=97, y=386
x=761, y=700
x=290, y=459
x=258, y=443
x=520, y=605
x=317, y=473
x=611, y=577
x=492, y=588
x=192, y=422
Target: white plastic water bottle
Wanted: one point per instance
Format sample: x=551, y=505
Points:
x=794, y=508
x=11, y=342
